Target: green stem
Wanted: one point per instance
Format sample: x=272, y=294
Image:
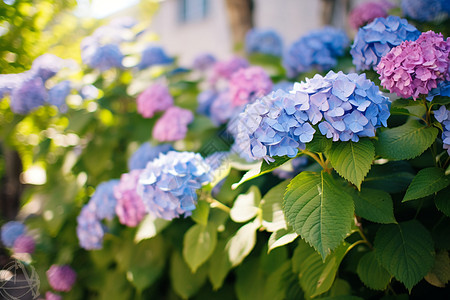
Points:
x=428, y=111
x=361, y=233
x=218, y=204
x=319, y=159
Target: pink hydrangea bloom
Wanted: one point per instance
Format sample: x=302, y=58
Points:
x=155, y=98
x=130, y=209
x=172, y=126
x=367, y=12
x=24, y=244
x=224, y=69
x=52, y=296
x=414, y=68
x=61, y=277
x=248, y=84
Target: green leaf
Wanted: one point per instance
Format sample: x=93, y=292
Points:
x=352, y=160
x=371, y=273
x=281, y=237
x=374, y=205
x=149, y=227
x=250, y=280
x=427, y=181
x=201, y=213
x=245, y=206
x=442, y=201
x=242, y=243
x=406, y=141
x=279, y=160
x=319, y=143
x=219, y=265
x=392, y=177
x=317, y=276
x=318, y=210
x=184, y=283
x=254, y=172
x=405, y=250
x=275, y=287
x=272, y=208
x=440, y=273
x=198, y=245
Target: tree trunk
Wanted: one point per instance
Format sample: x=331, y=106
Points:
x=240, y=14
x=10, y=186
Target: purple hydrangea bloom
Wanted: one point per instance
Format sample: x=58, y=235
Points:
x=61, y=277
x=425, y=10
x=203, y=62
x=205, y=99
x=317, y=50
x=24, y=244
x=366, y=12
x=416, y=67
x=248, y=84
x=90, y=231
x=8, y=82
x=376, y=39
x=443, y=89
x=130, y=209
x=146, y=153
x=168, y=184
x=57, y=95
x=11, y=231
x=52, y=296
x=442, y=115
x=224, y=69
x=28, y=96
x=102, y=57
x=155, y=98
x=104, y=200
x=263, y=41
x=222, y=109
x=172, y=126
x=47, y=65
x=154, y=55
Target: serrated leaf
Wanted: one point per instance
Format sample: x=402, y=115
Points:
x=279, y=160
x=319, y=143
x=245, y=206
x=442, y=201
x=149, y=227
x=198, y=245
x=318, y=210
x=352, y=160
x=281, y=237
x=371, y=273
x=219, y=265
x=272, y=208
x=405, y=250
x=242, y=243
x=184, y=283
x=427, y=181
x=440, y=273
x=374, y=205
x=392, y=177
x=406, y=141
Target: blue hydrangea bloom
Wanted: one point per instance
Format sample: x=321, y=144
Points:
x=11, y=231
x=443, y=89
x=168, y=184
x=283, y=85
x=425, y=10
x=102, y=57
x=442, y=115
x=154, y=55
x=205, y=99
x=29, y=95
x=104, y=201
x=47, y=65
x=90, y=231
x=8, y=82
x=57, y=95
x=221, y=109
x=146, y=153
x=319, y=49
x=203, y=62
x=377, y=38
x=263, y=41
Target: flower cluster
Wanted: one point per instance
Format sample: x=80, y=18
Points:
x=57, y=95
x=11, y=231
x=52, y=296
x=225, y=69
x=152, y=56
x=61, y=277
x=376, y=39
x=442, y=115
x=24, y=244
x=425, y=10
x=104, y=200
x=168, y=184
x=146, y=153
x=416, y=67
x=263, y=41
x=443, y=89
x=172, y=126
x=155, y=98
x=248, y=84
x=345, y=107
x=319, y=49
x=203, y=62
x=366, y=12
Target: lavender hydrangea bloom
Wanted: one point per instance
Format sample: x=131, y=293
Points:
x=248, y=84
x=146, y=153
x=168, y=184
x=366, y=12
x=11, y=231
x=28, y=96
x=319, y=49
x=130, y=209
x=154, y=55
x=203, y=62
x=442, y=115
x=104, y=200
x=155, y=98
x=61, y=277
x=283, y=85
x=376, y=39
x=89, y=229
x=52, y=296
x=24, y=244
x=102, y=57
x=425, y=10
x=47, y=65
x=205, y=99
x=222, y=109
x=224, y=69
x=416, y=67
x=263, y=41
x=443, y=89
x=8, y=82
x=172, y=126
x=57, y=95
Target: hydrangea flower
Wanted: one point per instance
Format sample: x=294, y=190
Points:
x=52, y=296
x=416, y=67
x=104, y=200
x=376, y=39
x=30, y=95
x=8, y=82
x=11, y=231
x=89, y=92
x=366, y=12
x=130, y=209
x=102, y=57
x=442, y=115
x=222, y=109
x=47, y=65
x=154, y=55
x=89, y=229
x=248, y=84
x=205, y=99
x=263, y=41
x=57, y=95
x=172, y=126
x=61, y=277
x=155, y=98
x=24, y=244
x=283, y=85
x=443, y=89
x=317, y=50
x=168, y=184
x=203, y=62
x=146, y=153
x=224, y=69
x=425, y=10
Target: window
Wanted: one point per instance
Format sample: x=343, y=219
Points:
x=193, y=10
